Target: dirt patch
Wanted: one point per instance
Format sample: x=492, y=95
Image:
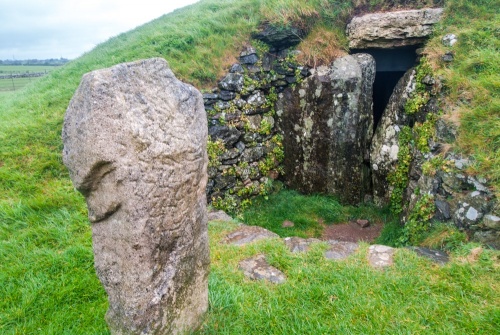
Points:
x=352, y=232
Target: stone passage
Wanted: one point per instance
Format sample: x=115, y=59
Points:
x=327, y=124
x=135, y=145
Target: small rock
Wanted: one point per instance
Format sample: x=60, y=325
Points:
x=491, y=222
x=449, y=40
x=436, y=256
x=219, y=216
x=461, y=163
x=227, y=95
x=298, y=244
x=443, y=210
x=210, y=98
x=248, y=234
x=340, y=250
x=236, y=68
x=249, y=56
x=380, y=256
x=363, y=223
x=232, y=82
x=257, y=99
x=287, y=224
x=257, y=268
x=448, y=57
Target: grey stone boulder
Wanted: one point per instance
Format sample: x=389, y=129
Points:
x=248, y=234
x=327, y=122
x=257, y=268
x=392, y=29
x=135, y=145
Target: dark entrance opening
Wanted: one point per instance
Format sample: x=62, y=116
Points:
x=391, y=64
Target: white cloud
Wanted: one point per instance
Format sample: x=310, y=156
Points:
x=68, y=28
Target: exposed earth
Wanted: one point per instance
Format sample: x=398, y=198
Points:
x=352, y=232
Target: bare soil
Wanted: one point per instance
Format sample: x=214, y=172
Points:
x=352, y=232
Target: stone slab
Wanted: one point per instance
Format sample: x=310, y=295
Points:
x=248, y=234
x=257, y=268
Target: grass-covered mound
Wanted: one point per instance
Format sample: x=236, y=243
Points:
x=47, y=280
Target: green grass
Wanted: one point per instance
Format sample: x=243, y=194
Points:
x=473, y=81
x=310, y=214
x=12, y=69
x=47, y=281
x=349, y=297
x=7, y=85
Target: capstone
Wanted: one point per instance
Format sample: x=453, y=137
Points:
x=392, y=29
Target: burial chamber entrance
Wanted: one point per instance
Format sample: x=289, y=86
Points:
x=391, y=65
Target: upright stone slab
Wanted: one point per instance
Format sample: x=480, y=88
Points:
x=327, y=122
x=135, y=145
x=385, y=144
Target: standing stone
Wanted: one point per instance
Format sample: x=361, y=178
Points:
x=385, y=144
x=135, y=146
x=327, y=122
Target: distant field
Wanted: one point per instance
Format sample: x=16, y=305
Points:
x=14, y=84
x=7, y=69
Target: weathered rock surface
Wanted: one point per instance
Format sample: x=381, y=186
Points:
x=437, y=256
x=385, y=143
x=327, y=123
x=135, y=145
x=219, y=216
x=299, y=244
x=340, y=250
x=280, y=37
x=257, y=268
x=241, y=114
x=380, y=256
x=393, y=29
x=248, y=234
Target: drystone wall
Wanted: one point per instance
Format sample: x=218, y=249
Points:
x=245, y=147
x=256, y=138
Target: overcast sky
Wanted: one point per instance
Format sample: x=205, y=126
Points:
x=45, y=29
